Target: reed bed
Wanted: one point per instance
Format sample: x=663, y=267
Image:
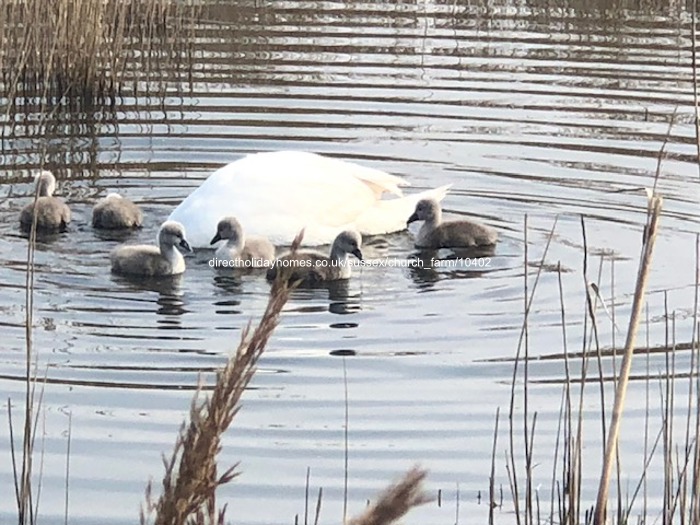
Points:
x=89, y=49
x=669, y=441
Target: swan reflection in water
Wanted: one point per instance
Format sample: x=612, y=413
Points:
x=432, y=266
x=169, y=303
x=336, y=296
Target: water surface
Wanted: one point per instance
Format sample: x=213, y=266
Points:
x=526, y=109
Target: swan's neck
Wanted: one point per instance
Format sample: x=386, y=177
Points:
x=341, y=259
x=44, y=189
x=237, y=244
x=337, y=254
x=173, y=256
x=230, y=250
x=428, y=226
x=436, y=218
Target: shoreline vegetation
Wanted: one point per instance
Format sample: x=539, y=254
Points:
x=62, y=77
x=46, y=63
x=50, y=52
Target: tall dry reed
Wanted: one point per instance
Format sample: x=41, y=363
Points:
x=26, y=494
x=395, y=501
x=191, y=472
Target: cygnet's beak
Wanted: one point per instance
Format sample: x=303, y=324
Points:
x=216, y=239
x=357, y=253
x=412, y=218
x=185, y=245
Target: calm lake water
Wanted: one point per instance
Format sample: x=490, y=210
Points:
x=526, y=108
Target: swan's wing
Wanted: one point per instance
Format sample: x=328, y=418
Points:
x=390, y=215
x=378, y=181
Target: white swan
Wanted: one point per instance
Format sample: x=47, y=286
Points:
x=277, y=194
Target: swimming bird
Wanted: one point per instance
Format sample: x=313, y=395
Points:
x=253, y=251
x=52, y=214
x=313, y=267
x=276, y=194
x=435, y=234
x=153, y=261
x=114, y=212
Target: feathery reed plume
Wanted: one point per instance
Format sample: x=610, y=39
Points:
x=191, y=478
x=396, y=500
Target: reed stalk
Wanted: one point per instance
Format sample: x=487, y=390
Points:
x=625, y=367
x=694, y=64
x=523, y=343
x=27, y=500
x=492, y=477
x=191, y=473
x=191, y=477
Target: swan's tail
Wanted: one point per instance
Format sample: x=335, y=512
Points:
x=390, y=215
x=379, y=181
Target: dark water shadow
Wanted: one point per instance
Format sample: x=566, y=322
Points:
x=432, y=266
x=341, y=301
x=44, y=238
x=117, y=235
x=170, y=296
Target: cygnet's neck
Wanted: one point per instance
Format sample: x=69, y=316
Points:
x=341, y=260
x=238, y=243
x=171, y=254
x=436, y=219
x=428, y=226
x=231, y=248
x=44, y=189
x=338, y=254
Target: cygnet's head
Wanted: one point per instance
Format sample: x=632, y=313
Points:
x=45, y=184
x=112, y=196
x=228, y=228
x=172, y=233
x=348, y=241
x=426, y=210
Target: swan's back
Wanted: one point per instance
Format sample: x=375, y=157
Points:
x=258, y=248
x=459, y=234
x=277, y=194
x=115, y=212
x=307, y=267
x=153, y=261
x=52, y=214
x=142, y=260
